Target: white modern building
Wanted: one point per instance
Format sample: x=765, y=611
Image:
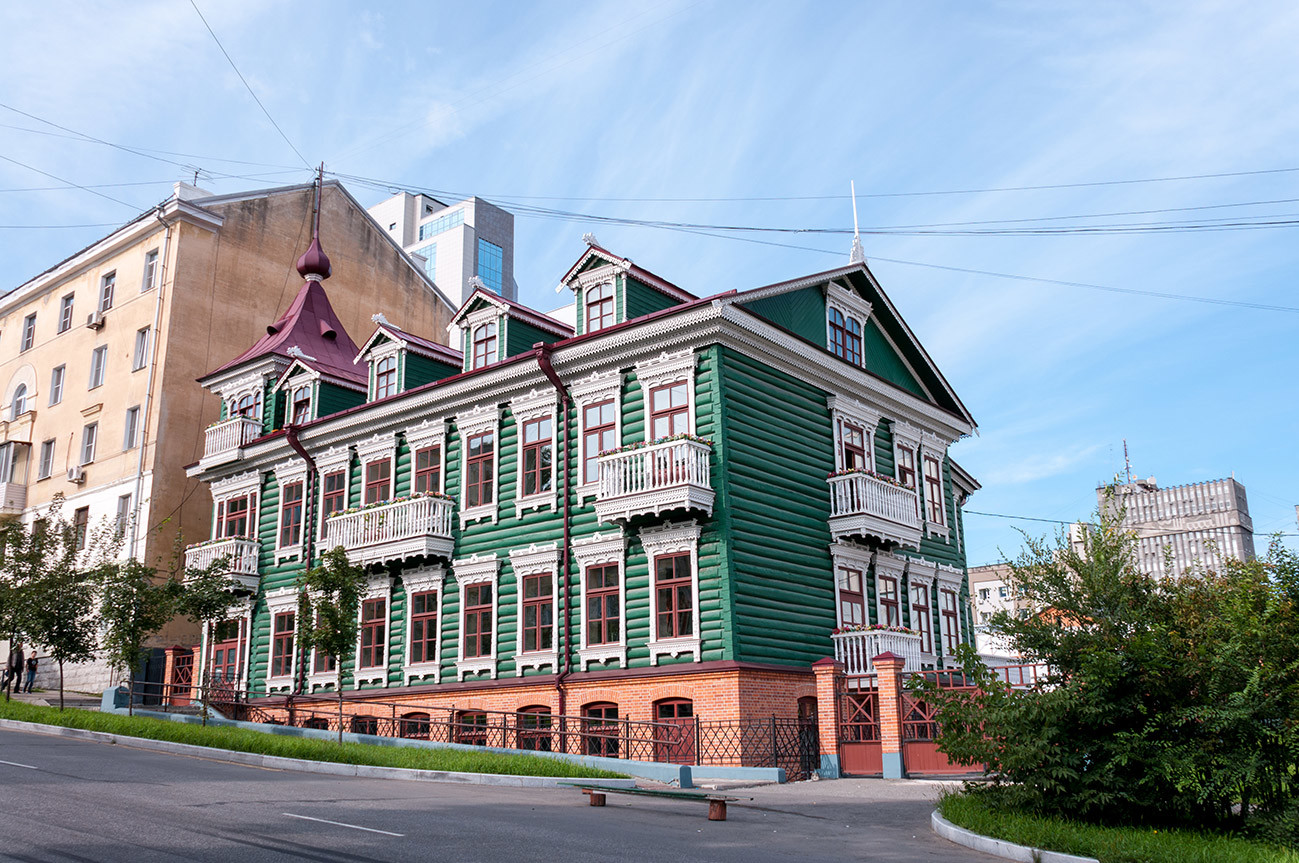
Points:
x=454, y=242
x=991, y=591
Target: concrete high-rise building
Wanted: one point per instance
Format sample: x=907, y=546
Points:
x=991, y=591
x=454, y=242
x=99, y=355
x=1201, y=523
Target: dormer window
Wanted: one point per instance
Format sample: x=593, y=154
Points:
x=484, y=344
x=845, y=337
x=599, y=307
x=301, y=412
x=385, y=377
x=247, y=405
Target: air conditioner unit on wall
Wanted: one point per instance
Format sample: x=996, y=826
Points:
x=77, y=474
x=95, y=321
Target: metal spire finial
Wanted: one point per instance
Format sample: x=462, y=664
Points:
x=858, y=254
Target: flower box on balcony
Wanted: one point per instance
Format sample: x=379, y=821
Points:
x=868, y=505
x=392, y=530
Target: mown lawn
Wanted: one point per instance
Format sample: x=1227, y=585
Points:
x=1107, y=844
x=245, y=740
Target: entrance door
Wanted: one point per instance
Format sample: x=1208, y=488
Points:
x=678, y=747
x=225, y=655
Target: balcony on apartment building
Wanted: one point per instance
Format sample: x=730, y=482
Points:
x=241, y=553
x=867, y=506
x=224, y=441
x=856, y=649
x=654, y=479
x=393, y=531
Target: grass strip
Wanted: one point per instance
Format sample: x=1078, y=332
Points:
x=247, y=740
x=1107, y=844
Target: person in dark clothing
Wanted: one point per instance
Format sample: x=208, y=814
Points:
x=14, y=668
x=31, y=672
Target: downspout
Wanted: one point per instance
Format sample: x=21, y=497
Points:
x=542, y=352
x=308, y=531
x=148, y=386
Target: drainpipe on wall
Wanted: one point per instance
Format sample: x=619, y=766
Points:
x=542, y=352
x=308, y=535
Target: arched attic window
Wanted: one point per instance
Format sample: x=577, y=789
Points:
x=599, y=307
x=385, y=377
x=845, y=337
x=19, y=402
x=301, y=404
x=247, y=405
x=484, y=344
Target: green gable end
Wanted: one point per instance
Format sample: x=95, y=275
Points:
x=421, y=370
x=331, y=398
x=639, y=299
x=801, y=312
x=520, y=336
x=882, y=360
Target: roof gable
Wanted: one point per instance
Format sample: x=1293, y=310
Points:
x=595, y=256
x=482, y=298
x=386, y=333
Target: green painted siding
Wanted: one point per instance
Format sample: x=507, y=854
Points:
x=640, y=299
x=420, y=370
x=801, y=312
x=330, y=399
x=883, y=361
x=522, y=336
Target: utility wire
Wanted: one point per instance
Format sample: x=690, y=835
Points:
x=1135, y=529
x=72, y=184
x=246, y=84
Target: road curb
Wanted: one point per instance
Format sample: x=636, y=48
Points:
x=300, y=765
x=1000, y=847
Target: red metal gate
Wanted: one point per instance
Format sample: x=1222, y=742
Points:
x=920, y=754
x=859, y=727
x=182, y=677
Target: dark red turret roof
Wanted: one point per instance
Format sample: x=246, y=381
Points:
x=314, y=261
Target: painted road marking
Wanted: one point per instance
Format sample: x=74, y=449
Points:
x=16, y=764
x=335, y=823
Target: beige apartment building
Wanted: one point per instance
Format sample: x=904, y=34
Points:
x=99, y=354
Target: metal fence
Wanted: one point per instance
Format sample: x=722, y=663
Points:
x=793, y=744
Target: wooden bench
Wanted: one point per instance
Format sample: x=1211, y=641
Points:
x=716, y=802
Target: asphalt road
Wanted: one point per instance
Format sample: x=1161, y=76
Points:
x=63, y=799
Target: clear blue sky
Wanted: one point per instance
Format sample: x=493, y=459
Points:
x=773, y=108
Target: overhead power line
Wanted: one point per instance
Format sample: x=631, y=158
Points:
x=1135, y=529
x=72, y=184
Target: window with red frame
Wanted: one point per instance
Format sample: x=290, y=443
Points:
x=321, y=661
x=599, y=308
x=415, y=725
x=225, y=650
x=301, y=405
x=428, y=470
x=600, y=729
x=889, y=610
x=374, y=624
x=471, y=727
x=333, y=497
x=951, y=629
x=291, y=515
x=538, y=612
x=934, y=491
x=423, y=627
x=234, y=517
x=669, y=410
x=906, y=472
x=247, y=406
x=385, y=377
x=597, y=436
x=921, y=618
x=484, y=345
x=479, y=468
x=845, y=337
x=603, y=617
x=536, y=456
x=282, y=644
x=674, y=597
x=854, y=447
x=852, y=602
x=534, y=728
x=378, y=481
x=478, y=621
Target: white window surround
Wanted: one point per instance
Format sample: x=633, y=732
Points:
x=486, y=315
x=429, y=433
x=598, y=387
x=278, y=602
x=848, y=303
x=382, y=352
x=537, y=404
x=478, y=569
x=949, y=578
x=241, y=611
x=673, y=538
x=668, y=368
x=379, y=447
x=286, y=473
x=247, y=385
x=849, y=410
x=933, y=446
x=921, y=572
x=890, y=566
x=239, y=485
x=536, y=560
x=486, y=418
x=594, y=550
x=426, y=579
x=849, y=555
x=334, y=459
x=376, y=587
x=906, y=436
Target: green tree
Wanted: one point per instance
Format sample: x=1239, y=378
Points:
x=206, y=597
x=134, y=605
x=329, y=600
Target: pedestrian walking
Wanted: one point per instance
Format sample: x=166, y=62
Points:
x=14, y=668
x=31, y=672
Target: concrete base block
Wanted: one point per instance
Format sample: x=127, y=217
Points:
x=829, y=767
x=892, y=762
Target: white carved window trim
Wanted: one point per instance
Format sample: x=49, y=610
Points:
x=279, y=602
x=428, y=433
x=850, y=304
x=489, y=314
x=380, y=447
x=598, y=387
x=475, y=422
x=847, y=410
x=382, y=352
x=667, y=539
x=920, y=573
x=907, y=437
x=536, y=560
x=427, y=579
x=602, y=549
x=286, y=473
x=668, y=368
x=333, y=460
x=248, y=385
x=377, y=587
x=890, y=566
x=479, y=569
x=848, y=555
x=247, y=484
x=242, y=612
x=931, y=446
x=536, y=405
x=949, y=578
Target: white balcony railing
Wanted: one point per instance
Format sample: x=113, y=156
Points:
x=864, y=505
x=856, y=649
x=222, y=442
x=393, y=531
x=242, y=554
x=655, y=479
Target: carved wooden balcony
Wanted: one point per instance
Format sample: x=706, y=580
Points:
x=655, y=479
x=224, y=441
x=856, y=649
x=393, y=531
x=868, y=507
x=242, y=554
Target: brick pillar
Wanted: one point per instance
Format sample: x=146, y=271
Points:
x=827, y=672
x=888, y=668
x=168, y=674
